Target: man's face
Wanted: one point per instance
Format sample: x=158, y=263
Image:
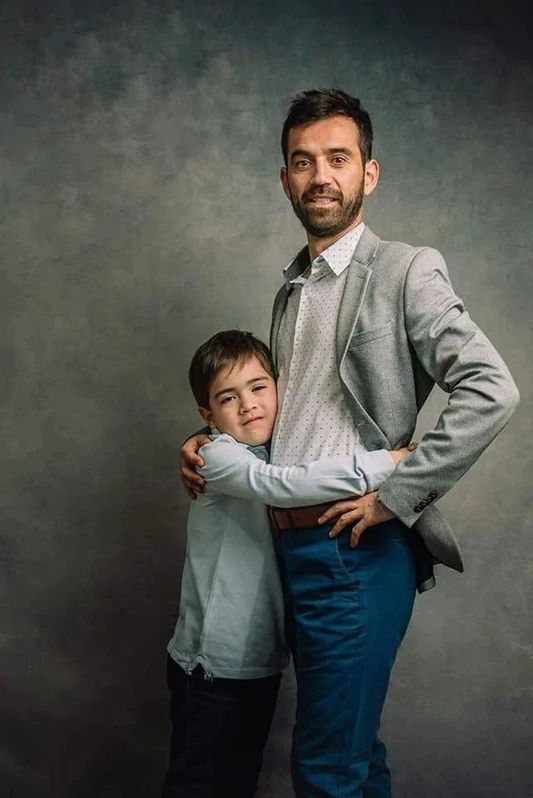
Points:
x=325, y=179
x=243, y=402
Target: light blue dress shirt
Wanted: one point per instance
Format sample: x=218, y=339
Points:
x=231, y=618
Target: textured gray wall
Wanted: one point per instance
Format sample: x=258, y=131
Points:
x=141, y=213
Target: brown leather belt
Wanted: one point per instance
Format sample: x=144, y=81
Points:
x=298, y=517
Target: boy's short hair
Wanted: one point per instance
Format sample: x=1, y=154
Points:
x=224, y=350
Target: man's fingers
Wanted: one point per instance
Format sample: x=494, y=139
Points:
x=345, y=520
x=193, y=487
x=336, y=509
x=189, y=451
x=189, y=473
x=190, y=460
x=357, y=531
x=192, y=482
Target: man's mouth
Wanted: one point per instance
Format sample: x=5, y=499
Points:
x=321, y=199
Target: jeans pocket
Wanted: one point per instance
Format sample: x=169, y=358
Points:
x=345, y=558
x=374, y=543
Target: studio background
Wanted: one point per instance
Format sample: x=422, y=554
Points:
x=142, y=212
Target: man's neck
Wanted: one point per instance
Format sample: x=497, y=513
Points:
x=317, y=245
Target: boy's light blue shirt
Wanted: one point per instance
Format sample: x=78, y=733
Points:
x=231, y=618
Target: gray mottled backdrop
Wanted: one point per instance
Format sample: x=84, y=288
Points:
x=141, y=213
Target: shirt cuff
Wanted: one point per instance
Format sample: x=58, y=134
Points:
x=377, y=466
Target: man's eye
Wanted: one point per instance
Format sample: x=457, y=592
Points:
x=339, y=160
x=302, y=164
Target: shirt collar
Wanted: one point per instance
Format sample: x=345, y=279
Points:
x=335, y=259
x=262, y=451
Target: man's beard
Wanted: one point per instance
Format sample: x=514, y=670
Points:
x=322, y=221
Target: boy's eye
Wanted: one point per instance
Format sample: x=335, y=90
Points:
x=226, y=399
x=259, y=388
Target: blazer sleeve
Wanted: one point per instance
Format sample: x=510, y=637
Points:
x=233, y=470
x=462, y=361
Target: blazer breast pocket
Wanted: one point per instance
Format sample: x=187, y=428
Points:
x=365, y=336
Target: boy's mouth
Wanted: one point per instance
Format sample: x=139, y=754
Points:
x=250, y=420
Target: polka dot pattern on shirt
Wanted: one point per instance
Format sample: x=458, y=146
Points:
x=313, y=421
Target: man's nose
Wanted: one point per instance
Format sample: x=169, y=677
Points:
x=322, y=173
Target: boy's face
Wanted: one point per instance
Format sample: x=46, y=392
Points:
x=243, y=402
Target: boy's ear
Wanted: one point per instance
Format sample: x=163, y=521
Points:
x=206, y=414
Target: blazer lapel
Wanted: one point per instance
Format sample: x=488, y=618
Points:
x=298, y=265
x=359, y=273
x=277, y=312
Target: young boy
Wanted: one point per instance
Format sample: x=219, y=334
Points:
x=228, y=649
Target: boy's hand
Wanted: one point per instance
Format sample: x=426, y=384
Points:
x=189, y=461
x=400, y=454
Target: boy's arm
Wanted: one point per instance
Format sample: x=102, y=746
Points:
x=233, y=470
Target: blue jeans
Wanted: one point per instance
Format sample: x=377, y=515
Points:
x=350, y=610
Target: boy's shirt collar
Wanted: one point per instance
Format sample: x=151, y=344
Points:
x=261, y=451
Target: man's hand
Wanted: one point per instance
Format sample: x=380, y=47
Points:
x=189, y=461
x=366, y=510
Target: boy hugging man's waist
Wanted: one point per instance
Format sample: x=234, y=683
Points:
x=231, y=619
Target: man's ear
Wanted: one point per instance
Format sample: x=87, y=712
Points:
x=206, y=415
x=371, y=176
x=284, y=181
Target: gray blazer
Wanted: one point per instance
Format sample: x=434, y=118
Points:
x=401, y=329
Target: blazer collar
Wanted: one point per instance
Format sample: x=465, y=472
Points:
x=296, y=267
x=356, y=283
x=366, y=248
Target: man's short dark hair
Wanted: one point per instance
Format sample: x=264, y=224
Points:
x=224, y=350
x=316, y=104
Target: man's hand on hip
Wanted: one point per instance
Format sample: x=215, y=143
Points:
x=366, y=510
x=189, y=461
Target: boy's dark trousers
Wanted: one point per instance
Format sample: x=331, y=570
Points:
x=219, y=731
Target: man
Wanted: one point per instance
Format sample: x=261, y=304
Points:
x=361, y=331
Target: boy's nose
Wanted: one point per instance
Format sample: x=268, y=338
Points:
x=247, y=405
